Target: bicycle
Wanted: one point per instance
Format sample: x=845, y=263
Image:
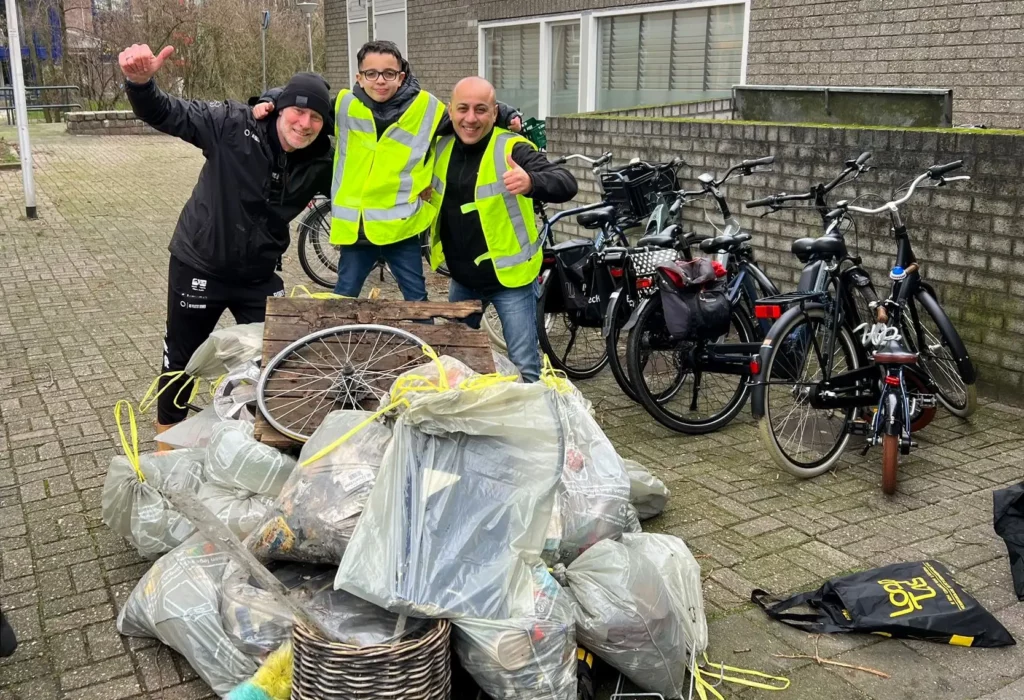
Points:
x=815, y=381
x=698, y=361
x=900, y=344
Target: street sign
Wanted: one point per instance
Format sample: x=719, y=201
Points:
x=266, y=19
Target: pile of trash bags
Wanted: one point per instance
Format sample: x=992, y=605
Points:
x=499, y=505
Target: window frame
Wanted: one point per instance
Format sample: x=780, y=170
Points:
x=589, y=40
x=405, y=17
x=353, y=63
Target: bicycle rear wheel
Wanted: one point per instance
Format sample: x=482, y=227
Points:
x=318, y=258
x=617, y=344
x=674, y=391
x=577, y=350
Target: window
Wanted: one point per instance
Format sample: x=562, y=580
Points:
x=358, y=32
x=677, y=56
x=389, y=23
x=616, y=58
x=565, y=69
x=512, y=64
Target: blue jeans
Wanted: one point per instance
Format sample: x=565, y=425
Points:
x=404, y=259
x=517, y=309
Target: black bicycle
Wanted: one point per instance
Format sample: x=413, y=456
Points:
x=817, y=380
x=694, y=384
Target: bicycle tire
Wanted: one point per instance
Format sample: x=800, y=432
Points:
x=952, y=372
x=890, y=463
x=784, y=335
x=588, y=367
x=314, y=244
x=617, y=312
x=442, y=269
x=656, y=404
x=491, y=323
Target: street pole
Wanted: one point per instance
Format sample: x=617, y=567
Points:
x=20, y=108
x=307, y=9
x=263, y=34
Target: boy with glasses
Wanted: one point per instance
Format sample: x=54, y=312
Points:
x=385, y=128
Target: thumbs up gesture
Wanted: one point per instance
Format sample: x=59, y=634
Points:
x=139, y=64
x=517, y=180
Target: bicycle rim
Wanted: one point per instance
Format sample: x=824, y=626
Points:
x=616, y=347
x=662, y=373
x=491, y=323
x=318, y=258
x=348, y=367
x=801, y=439
x=937, y=358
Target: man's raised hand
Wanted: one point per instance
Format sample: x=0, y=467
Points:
x=139, y=64
x=517, y=181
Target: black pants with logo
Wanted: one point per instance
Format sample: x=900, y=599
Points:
x=195, y=302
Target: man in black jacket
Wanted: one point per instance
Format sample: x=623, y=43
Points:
x=473, y=111
x=258, y=176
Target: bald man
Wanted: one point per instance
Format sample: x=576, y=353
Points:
x=485, y=181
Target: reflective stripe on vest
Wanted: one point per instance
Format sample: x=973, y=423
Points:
x=405, y=204
x=527, y=248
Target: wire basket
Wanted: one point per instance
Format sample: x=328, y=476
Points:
x=634, y=190
x=413, y=669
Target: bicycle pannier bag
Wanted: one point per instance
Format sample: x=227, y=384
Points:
x=698, y=308
x=917, y=600
x=585, y=287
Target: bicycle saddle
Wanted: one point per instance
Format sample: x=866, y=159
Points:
x=893, y=353
x=724, y=244
x=596, y=218
x=826, y=247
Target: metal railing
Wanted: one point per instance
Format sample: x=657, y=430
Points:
x=34, y=95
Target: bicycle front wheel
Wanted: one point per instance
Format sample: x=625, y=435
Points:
x=616, y=345
x=668, y=376
x=801, y=439
x=943, y=355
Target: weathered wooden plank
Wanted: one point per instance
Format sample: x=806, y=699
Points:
x=380, y=310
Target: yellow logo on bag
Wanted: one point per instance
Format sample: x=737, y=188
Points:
x=907, y=601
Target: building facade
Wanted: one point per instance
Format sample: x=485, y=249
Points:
x=552, y=57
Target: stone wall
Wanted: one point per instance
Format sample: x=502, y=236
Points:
x=976, y=48
x=710, y=109
x=336, y=34
x=967, y=235
x=121, y=123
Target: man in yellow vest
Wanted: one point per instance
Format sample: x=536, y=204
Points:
x=485, y=181
x=385, y=128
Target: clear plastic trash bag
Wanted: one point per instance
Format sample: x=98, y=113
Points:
x=641, y=608
x=178, y=602
x=647, y=493
x=235, y=396
x=235, y=459
x=464, y=494
x=258, y=624
x=241, y=510
x=313, y=518
x=138, y=511
x=225, y=350
x=531, y=655
x=194, y=431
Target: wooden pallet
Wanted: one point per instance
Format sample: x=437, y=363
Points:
x=289, y=319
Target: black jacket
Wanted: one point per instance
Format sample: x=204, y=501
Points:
x=235, y=225
x=462, y=238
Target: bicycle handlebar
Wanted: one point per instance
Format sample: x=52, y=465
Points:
x=594, y=162
x=776, y=199
x=935, y=172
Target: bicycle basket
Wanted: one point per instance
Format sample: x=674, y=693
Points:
x=634, y=189
x=534, y=130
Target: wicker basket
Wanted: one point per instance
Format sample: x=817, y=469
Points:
x=415, y=669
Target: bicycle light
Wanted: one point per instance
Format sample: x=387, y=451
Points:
x=767, y=311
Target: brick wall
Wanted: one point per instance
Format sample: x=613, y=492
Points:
x=710, y=109
x=442, y=43
x=119, y=123
x=967, y=236
x=974, y=47
x=336, y=35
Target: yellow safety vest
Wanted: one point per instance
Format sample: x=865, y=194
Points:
x=378, y=181
x=507, y=220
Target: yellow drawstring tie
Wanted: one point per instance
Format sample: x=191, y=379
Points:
x=131, y=450
x=717, y=674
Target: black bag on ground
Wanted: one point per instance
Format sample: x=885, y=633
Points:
x=699, y=308
x=918, y=600
x=584, y=286
x=1008, y=521
x=8, y=642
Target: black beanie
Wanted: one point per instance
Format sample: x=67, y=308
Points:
x=310, y=91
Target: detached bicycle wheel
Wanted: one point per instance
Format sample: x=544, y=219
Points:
x=318, y=258
x=348, y=367
x=577, y=350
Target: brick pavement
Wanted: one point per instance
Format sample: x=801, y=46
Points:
x=80, y=324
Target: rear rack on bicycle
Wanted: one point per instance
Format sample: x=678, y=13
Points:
x=773, y=307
